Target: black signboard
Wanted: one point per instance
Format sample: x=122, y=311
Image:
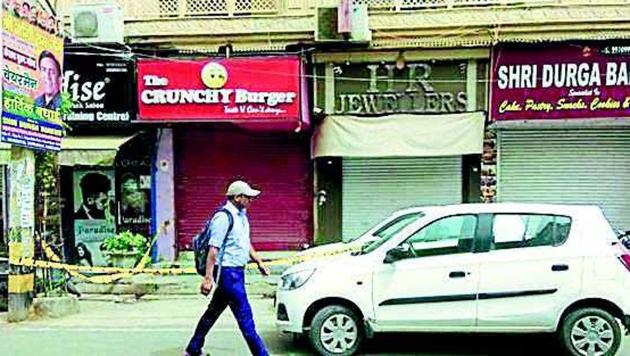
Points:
x=101, y=88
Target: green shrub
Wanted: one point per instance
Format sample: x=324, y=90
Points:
x=126, y=242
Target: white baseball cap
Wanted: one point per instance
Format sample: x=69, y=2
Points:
x=241, y=188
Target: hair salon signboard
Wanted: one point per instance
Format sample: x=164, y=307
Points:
x=101, y=88
x=561, y=82
x=242, y=90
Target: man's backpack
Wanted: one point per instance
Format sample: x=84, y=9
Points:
x=201, y=247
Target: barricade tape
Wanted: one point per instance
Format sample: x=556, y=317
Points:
x=110, y=275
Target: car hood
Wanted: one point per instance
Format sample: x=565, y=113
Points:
x=327, y=262
x=330, y=249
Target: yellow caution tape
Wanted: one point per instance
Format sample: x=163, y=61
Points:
x=109, y=275
x=162, y=271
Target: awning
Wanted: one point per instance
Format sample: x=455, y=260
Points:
x=402, y=135
x=5, y=153
x=91, y=150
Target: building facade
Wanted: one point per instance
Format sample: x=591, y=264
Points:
x=390, y=114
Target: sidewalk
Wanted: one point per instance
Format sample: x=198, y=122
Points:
x=152, y=326
x=143, y=284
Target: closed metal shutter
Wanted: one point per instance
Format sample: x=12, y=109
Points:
x=277, y=163
x=375, y=187
x=588, y=166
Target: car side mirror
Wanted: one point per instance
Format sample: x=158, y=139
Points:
x=397, y=253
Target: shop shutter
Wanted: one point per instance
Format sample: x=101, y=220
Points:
x=375, y=187
x=277, y=163
x=567, y=167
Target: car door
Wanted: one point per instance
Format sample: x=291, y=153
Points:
x=528, y=274
x=435, y=284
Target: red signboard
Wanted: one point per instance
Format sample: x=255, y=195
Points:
x=561, y=82
x=241, y=90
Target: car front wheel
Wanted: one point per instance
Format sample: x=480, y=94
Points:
x=590, y=332
x=336, y=330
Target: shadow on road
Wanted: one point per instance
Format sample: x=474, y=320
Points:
x=455, y=345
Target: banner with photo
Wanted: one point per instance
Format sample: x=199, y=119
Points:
x=32, y=50
x=94, y=217
x=135, y=203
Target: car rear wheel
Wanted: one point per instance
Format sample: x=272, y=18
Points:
x=336, y=330
x=590, y=332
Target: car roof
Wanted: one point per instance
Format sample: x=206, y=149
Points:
x=555, y=209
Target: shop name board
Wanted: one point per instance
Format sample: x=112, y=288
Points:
x=268, y=100
x=240, y=89
x=383, y=89
x=101, y=88
x=558, y=83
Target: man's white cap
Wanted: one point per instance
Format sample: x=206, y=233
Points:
x=241, y=188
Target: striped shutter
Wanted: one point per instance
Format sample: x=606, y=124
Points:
x=587, y=166
x=375, y=187
x=277, y=163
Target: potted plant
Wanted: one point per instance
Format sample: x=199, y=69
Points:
x=124, y=250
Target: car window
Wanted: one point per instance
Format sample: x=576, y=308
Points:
x=397, y=225
x=529, y=230
x=388, y=232
x=392, y=227
x=453, y=234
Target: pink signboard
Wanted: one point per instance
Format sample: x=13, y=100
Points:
x=560, y=82
x=264, y=90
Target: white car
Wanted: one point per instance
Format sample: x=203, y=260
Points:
x=384, y=229
x=498, y=268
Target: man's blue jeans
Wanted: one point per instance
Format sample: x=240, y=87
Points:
x=231, y=291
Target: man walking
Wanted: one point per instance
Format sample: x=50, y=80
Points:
x=234, y=246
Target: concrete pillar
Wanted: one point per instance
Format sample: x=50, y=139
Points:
x=21, y=230
x=164, y=195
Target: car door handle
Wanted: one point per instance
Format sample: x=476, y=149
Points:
x=457, y=274
x=559, y=268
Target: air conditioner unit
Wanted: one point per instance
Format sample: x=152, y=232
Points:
x=330, y=29
x=98, y=23
x=327, y=28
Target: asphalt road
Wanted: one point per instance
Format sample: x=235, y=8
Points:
x=162, y=328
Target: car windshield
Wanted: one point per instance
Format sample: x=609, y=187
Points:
x=392, y=227
x=390, y=230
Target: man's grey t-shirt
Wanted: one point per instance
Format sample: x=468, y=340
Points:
x=238, y=244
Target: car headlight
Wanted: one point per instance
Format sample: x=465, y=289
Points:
x=296, y=280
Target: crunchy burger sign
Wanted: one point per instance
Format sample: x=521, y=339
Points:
x=237, y=89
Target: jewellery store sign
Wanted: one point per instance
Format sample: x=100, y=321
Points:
x=385, y=88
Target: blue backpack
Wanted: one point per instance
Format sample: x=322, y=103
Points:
x=201, y=240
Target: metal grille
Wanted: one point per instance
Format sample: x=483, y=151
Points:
x=255, y=6
x=417, y=4
x=206, y=7
x=166, y=7
x=278, y=163
x=377, y=4
x=375, y=187
x=568, y=167
x=158, y=8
